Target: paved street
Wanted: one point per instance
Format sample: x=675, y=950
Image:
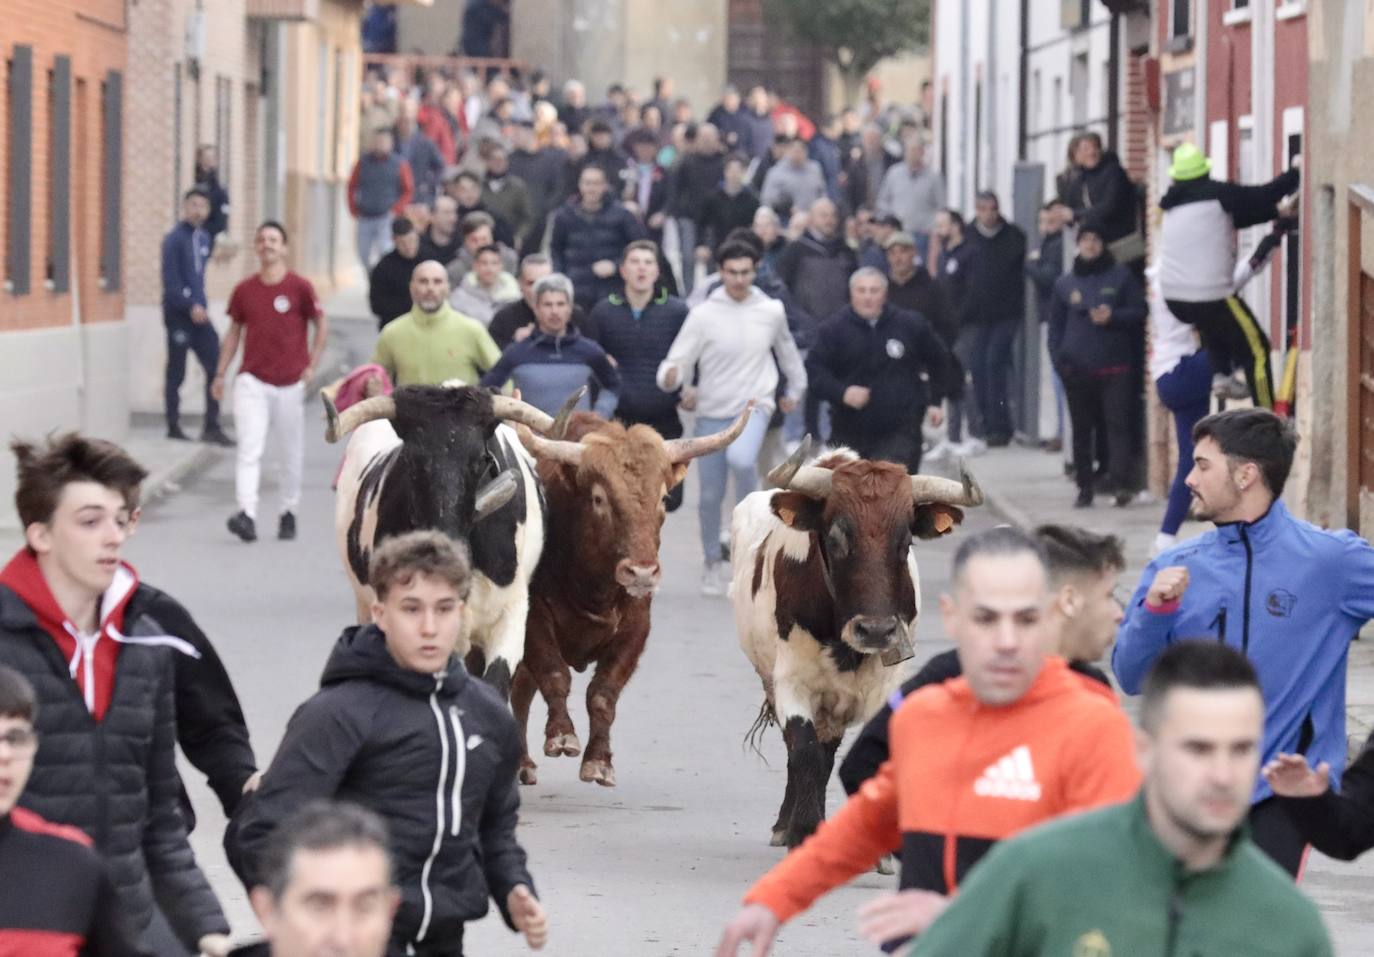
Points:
x=653, y=867
x=656, y=865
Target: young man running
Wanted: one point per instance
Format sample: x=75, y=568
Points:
x=272, y=313
x=74, y=622
x=1172, y=872
x=1016, y=741
x=402, y=729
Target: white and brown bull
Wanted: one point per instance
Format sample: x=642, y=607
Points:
x=440, y=457
x=826, y=595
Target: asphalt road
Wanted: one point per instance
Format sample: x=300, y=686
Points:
x=652, y=867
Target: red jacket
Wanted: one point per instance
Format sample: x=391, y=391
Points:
x=93, y=663
x=434, y=124
x=57, y=900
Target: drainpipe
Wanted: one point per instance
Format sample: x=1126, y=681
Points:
x=1113, y=82
x=1022, y=102
x=965, y=104
x=990, y=97
x=1200, y=83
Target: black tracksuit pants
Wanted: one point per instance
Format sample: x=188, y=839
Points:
x=183, y=336
x=1232, y=337
x=1101, y=407
x=902, y=446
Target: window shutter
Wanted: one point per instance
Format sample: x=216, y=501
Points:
x=111, y=174
x=18, y=235
x=60, y=175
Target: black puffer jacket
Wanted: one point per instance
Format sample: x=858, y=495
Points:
x=638, y=347
x=115, y=779
x=210, y=725
x=1103, y=197
x=581, y=239
x=816, y=272
x=899, y=359
x=406, y=745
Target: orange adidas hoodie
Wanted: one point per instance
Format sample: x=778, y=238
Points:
x=963, y=776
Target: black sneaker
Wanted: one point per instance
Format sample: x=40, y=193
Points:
x=216, y=436
x=286, y=527
x=1085, y=498
x=1124, y=497
x=243, y=526
x=174, y=432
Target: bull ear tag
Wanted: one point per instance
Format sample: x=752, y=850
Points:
x=899, y=652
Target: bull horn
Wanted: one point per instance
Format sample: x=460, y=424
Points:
x=495, y=494
x=560, y=421
x=514, y=410
x=338, y=424
x=782, y=474
x=683, y=450
x=813, y=481
x=932, y=488
x=554, y=450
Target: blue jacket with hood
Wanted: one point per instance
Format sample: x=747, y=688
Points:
x=1288, y=594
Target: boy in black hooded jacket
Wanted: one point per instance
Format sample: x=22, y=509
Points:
x=400, y=728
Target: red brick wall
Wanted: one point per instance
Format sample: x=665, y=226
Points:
x=92, y=33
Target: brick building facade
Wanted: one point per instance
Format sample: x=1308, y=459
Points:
x=62, y=329
x=273, y=85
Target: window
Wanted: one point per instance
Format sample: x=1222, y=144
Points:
x=1180, y=19
x=1238, y=12
x=59, y=174
x=1036, y=100
x=224, y=92
x=176, y=142
x=111, y=176
x=1079, y=82
x=19, y=171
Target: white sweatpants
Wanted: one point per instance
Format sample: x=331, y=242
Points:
x=260, y=409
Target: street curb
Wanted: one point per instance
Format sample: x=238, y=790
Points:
x=168, y=481
x=1004, y=507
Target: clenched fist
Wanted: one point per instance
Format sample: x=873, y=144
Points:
x=1169, y=585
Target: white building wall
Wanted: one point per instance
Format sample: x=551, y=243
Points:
x=977, y=46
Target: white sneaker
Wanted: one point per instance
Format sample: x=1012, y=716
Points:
x=940, y=451
x=971, y=447
x=712, y=580
x=1163, y=542
x=1229, y=387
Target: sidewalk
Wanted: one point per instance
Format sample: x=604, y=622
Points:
x=1028, y=488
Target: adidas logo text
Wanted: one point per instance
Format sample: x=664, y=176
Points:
x=1012, y=776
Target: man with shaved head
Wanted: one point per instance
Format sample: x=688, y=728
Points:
x=1016, y=740
x=434, y=343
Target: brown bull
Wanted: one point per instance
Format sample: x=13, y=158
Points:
x=827, y=594
x=591, y=594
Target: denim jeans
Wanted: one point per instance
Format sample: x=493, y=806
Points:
x=1186, y=391
x=374, y=239
x=991, y=365
x=739, y=459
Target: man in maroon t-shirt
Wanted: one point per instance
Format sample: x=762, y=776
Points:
x=271, y=313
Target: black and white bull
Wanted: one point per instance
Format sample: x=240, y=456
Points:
x=826, y=595
x=440, y=457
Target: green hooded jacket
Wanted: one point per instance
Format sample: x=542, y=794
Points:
x=1102, y=885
